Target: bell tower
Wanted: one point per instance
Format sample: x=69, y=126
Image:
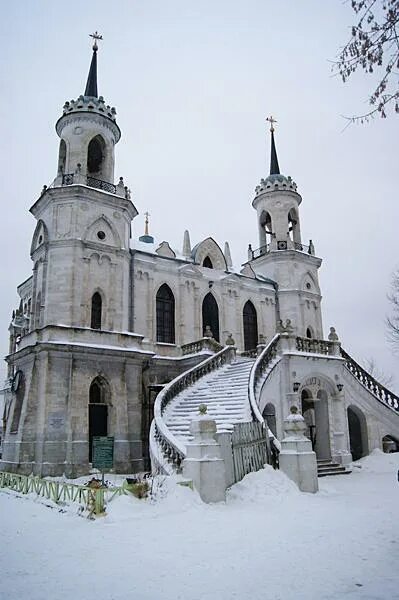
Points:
x=281, y=255
x=81, y=246
x=88, y=132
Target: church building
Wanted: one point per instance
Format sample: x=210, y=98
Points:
x=125, y=337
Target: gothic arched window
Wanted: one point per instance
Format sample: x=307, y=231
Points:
x=62, y=157
x=250, y=326
x=165, y=310
x=95, y=156
x=309, y=333
x=96, y=310
x=210, y=315
x=207, y=263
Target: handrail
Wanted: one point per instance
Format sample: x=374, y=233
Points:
x=204, y=343
x=315, y=346
x=174, y=449
x=382, y=393
x=258, y=368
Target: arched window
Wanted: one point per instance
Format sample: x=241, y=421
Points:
x=98, y=410
x=265, y=222
x=250, y=326
x=95, y=156
x=293, y=229
x=165, y=315
x=309, y=333
x=96, y=310
x=210, y=315
x=62, y=157
x=207, y=263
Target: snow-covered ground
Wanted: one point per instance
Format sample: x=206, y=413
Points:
x=269, y=541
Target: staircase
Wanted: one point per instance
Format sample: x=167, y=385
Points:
x=225, y=393
x=327, y=467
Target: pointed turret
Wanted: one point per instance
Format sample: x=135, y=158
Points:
x=91, y=85
x=186, y=245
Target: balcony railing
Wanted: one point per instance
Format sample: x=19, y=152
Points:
x=282, y=245
x=68, y=179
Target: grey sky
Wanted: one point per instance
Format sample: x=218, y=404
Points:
x=192, y=83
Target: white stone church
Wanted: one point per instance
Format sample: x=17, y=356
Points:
x=126, y=337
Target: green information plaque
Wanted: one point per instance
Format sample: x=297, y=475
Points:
x=103, y=453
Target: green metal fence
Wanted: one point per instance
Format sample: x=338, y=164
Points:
x=93, y=499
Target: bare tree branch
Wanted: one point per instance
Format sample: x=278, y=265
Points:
x=373, y=47
x=392, y=321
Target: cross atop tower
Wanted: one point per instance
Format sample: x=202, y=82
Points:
x=146, y=214
x=271, y=120
x=96, y=36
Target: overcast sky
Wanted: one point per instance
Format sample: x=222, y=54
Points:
x=192, y=83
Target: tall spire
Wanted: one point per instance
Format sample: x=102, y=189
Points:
x=274, y=167
x=91, y=85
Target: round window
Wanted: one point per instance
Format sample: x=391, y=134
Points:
x=101, y=235
x=308, y=286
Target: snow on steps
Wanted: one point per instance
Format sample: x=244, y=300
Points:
x=225, y=393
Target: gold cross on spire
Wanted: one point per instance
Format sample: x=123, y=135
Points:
x=146, y=214
x=96, y=36
x=271, y=120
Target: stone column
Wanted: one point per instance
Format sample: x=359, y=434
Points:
x=297, y=459
x=204, y=464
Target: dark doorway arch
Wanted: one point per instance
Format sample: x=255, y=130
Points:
x=269, y=414
x=210, y=315
x=95, y=156
x=98, y=410
x=250, y=321
x=165, y=309
x=357, y=432
x=96, y=311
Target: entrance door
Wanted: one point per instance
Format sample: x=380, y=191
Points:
x=210, y=315
x=315, y=413
x=98, y=423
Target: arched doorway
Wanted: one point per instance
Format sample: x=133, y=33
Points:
x=210, y=315
x=357, y=425
x=98, y=410
x=250, y=326
x=315, y=413
x=269, y=414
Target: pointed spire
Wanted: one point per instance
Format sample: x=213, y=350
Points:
x=186, y=245
x=91, y=85
x=274, y=166
x=227, y=255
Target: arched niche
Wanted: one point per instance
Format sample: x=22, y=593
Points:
x=96, y=157
x=40, y=236
x=165, y=314
x=358, y=437
x=210, y=316
x=309, y=333
x=99, y=400
x=250, y=326
x=207, y=262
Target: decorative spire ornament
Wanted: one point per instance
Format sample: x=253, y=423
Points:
x=274, y=166
x=91, y=85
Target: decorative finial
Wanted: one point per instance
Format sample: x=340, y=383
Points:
x=96, y=36
x=146, y=214
x=271, y=120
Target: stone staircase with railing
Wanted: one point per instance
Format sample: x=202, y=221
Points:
x=231, y=387
x=225, y=394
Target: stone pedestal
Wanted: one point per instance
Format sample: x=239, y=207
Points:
x=297, y=459
x=204, y=464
